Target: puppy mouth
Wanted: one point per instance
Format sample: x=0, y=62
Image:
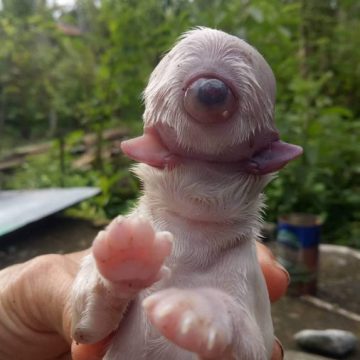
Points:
x=210, y=102
x=261, y=156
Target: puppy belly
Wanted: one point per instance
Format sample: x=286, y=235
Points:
x=136, y=339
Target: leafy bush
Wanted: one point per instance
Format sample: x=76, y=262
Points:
x=52, y=84
x=118, y=189
x=324, y=180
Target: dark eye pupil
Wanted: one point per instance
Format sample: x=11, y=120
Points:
x=212, y=92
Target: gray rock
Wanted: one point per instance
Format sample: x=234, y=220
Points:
x=330, y=342
x=298, y=355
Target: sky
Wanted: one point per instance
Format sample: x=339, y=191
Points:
x=61, y=2
x=65, y=3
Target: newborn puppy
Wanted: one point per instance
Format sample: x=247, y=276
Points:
x=178, y=278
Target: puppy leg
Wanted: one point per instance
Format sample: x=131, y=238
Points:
x=126, y=258
x=206, y=322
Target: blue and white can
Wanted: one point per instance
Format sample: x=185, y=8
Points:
x=298, y=238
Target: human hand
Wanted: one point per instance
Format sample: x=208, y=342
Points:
x=35, y=307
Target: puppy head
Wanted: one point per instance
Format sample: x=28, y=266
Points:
x=211, y=98
x=211, y=92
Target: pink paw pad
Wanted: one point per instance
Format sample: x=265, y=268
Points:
x=129, y=250
x=190, y=320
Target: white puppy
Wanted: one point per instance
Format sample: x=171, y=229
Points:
x=178, y=278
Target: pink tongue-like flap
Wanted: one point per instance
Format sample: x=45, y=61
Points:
x=149, y=149
x=273, y=158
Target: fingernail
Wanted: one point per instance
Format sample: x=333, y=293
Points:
x=281, y=348
x=279, y=266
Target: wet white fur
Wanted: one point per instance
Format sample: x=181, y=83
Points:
x=213, y=212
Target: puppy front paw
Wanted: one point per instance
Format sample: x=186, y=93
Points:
x=126, y=257
x=131, y=254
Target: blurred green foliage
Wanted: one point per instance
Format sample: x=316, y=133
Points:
x=89, y=74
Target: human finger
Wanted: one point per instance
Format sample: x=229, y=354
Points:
x=34, y=298
x=278, y=351
x=276, y=277
x=90, y=351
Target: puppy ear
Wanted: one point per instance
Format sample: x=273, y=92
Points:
x=273, y=158
x=149, y=149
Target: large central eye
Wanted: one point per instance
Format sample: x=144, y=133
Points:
x=212, y=92
x=209, y=100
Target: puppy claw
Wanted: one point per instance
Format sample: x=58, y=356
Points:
x=186, y=323
x=152, y=300
x=211, y=339
x=163, y=311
